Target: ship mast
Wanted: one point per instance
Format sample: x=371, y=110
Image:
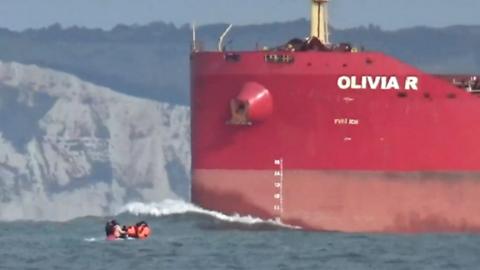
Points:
x=319, y=28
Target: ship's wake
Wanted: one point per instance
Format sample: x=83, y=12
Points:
x=176, y=207
x=168, y=214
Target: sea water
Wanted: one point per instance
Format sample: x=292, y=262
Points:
x=187, y=237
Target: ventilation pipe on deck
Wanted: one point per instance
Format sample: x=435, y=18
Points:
x=319, y=23
x=194, y=38
x=222, y=37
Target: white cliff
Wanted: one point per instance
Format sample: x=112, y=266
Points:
x=69, y=148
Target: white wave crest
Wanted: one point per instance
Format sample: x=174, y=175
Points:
x=174, y=207
x=92, y=239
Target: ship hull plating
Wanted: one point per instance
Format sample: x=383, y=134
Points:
x=347, y=201
x=355, y=142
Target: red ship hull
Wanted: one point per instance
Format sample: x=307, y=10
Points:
x=354, y=142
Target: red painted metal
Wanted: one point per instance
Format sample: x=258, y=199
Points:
x=347, y=201
x=356, y=157
x=257, y=101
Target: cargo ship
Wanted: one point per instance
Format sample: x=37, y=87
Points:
x=330, y=138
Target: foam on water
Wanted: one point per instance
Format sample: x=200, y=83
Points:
x=92, y=239
x=175, y=207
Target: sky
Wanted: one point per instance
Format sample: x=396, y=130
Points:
x=388, y=14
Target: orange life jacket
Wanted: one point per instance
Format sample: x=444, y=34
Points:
x=143, y=231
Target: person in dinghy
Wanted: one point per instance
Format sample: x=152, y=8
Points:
x=114, y=231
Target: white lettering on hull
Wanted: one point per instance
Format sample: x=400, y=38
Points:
x=377, y=83
x=346, y=121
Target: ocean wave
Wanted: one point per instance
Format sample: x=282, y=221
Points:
x=176, y=207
